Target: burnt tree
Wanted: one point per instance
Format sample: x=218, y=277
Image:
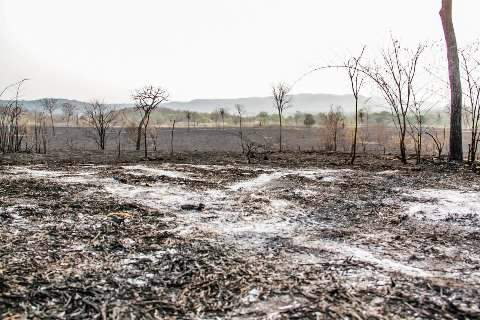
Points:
x=456, y=144
x=147, y=100
x=281, y=101
x=101, y=117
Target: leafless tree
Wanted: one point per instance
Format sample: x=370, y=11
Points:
x=49, y=105
x=416, y=130
x=68, y=110
x=240, y=111
x=456, y=143
x=40, y=133
x=333, y=121
x=188, y=116
x=281, y=101
x=438, y=141
x=154, y=134
x=215, y=116
x=470, y=64
x=11, y=132
x=357, y=80
x=147, y=100
x=172, y=132
x=363, y=116
x=123, y=125
x=395, y=78
x=101, y=117
x=222, y=115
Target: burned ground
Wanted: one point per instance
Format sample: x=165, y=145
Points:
x=294, y=237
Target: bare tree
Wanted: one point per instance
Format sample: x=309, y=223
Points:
x=188, y=115
x=40, y=133
x=11, y=133
x=172, y=132
x=395, y=78
x=438, y=141
x=122, y=125
x=333, y=121
x=470, y=64
x=363, y=116
x=100, y=116
x=154, y=134
x=240, y=111
x=49, y=105
x=215, y=116
x=417, y=128
x=147, y=100
x=282, y=101
x=456, y=143
x=357, y=79
x=222, y=115
x=68, y=110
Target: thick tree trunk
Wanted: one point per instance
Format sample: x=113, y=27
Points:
x=139, y=135
x=456, y=144
x=145, y=128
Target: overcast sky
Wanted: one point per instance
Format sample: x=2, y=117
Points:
x=84, y=49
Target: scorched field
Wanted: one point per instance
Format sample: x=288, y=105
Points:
x=160, y=240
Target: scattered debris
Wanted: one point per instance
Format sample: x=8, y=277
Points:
x=198, y=207
x=272, y=242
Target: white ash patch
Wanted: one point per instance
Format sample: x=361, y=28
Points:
x=442, y=205
x=265, y=179
x=152, y=171
x=138, y=282
x=388, y=172
x=157, y=196
x=374, y=258
x=326, y=175
x=71, y=177
x=256, y=183
x=271, y=309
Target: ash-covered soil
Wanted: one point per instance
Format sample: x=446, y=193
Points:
x=267, y=241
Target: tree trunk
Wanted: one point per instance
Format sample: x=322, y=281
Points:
x=456, y=143
x=145, y=123
x=241, y=135
x=139, y=134
x=403, y=151
x=145, y=141
x=53, y=125
x=335, y=140
x=281, y=145
x=171, y=139
x=354, y=145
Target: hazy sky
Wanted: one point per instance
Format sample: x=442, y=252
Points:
x=85, y=49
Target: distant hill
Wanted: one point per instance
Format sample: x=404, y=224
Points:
x=36, y=105
x=306, y=102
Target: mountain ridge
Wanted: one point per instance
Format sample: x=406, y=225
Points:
x=303, y=102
